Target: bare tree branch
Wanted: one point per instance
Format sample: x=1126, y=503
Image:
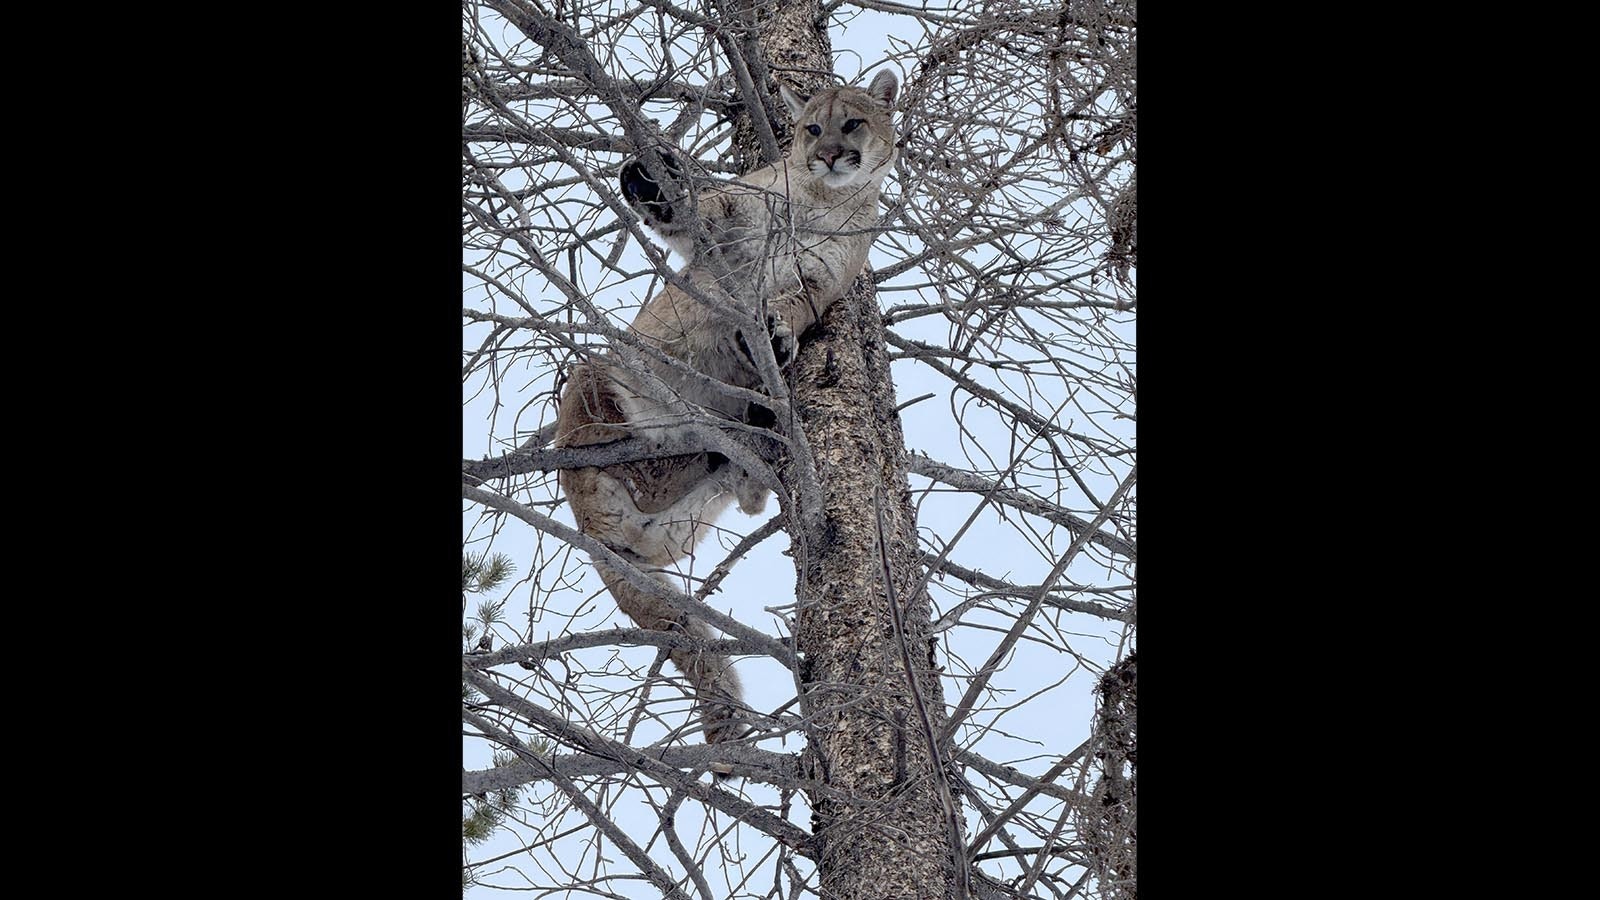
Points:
x=742, y=761
x=596, y=745
x=967, y=481
x=964, y=707
x=681, y=602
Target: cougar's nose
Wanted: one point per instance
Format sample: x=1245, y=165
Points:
x=828, y=156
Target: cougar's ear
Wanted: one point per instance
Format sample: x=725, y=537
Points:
x=795, y=102
x=883, y=88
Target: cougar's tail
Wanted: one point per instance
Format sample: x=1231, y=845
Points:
x=718, y=694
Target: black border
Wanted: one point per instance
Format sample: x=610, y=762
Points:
x=352, y=445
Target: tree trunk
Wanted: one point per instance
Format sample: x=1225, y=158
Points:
x=882, y=827
x=886, y=820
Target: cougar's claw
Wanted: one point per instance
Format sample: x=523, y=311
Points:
x=783, y=340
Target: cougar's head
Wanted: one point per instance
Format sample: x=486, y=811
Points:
x=843, y=134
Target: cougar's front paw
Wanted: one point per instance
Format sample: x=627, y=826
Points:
x=644, y=192
x=759, y=416
x=783, y=339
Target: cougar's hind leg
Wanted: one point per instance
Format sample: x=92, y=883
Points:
x=717, y=692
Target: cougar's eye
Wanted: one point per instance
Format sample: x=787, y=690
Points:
x=814, y=128
x=852, y=124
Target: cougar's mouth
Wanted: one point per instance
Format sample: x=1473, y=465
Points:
x=844, y=171
x=848, y=162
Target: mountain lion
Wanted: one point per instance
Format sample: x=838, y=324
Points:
x=793, y=234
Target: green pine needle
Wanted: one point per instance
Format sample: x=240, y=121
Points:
x=477, y=827
x=489, y=613
x=496, y=571
x=481, y=572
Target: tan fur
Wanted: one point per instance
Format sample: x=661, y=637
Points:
x=794, y=234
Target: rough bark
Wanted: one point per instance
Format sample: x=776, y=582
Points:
x=884, y=816
x=883, y=831
x=1111, y=828
x=793, y=42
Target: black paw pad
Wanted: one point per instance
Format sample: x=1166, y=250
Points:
x=642, y=190
x=759, y=416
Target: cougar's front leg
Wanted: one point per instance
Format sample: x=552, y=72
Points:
x=825, y=273
x=788, y=316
